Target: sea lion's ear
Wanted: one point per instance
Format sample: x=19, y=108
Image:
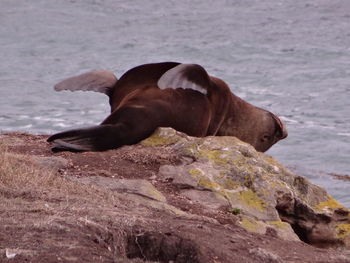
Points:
x=186, y=76
x=98, y=80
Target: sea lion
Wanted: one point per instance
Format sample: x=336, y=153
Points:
x=168, y=94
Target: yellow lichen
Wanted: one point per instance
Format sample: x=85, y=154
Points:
x=343, y=230
x=207, y=184
x=249, y=224
x=252, y=225
x=230, y=184
x=194, y=171
x=190, y=150
x=331, y=204
x=158, y=140
x=279, y=224
x=252, y=200
x=214, y=155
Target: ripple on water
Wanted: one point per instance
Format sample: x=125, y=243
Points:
x=347, y=134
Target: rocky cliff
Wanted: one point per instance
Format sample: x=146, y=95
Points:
x=171, y=198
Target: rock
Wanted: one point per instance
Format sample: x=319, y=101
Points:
x=140, y=192
x=11, y=253
x=177, y=176
x=132, y=186
x=226, y=171
x=179, y=200
x=262, y=255
x=209, y=199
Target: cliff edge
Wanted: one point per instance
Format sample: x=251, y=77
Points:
x=171, y=198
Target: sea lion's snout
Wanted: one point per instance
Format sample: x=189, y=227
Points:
x=281, y=129
x=284, y=131
x=273, y=130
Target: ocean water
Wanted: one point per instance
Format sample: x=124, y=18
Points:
x=291, y=57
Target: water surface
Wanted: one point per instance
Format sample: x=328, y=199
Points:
x=291, y=57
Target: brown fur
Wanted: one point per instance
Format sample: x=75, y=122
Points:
x=139, y=106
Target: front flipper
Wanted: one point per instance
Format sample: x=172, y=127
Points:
x=96, y=138
x=99, y=80
x=186, y=76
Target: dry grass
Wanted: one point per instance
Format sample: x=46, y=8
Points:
x=34, y=198
x=19, y=174
x=22, y=179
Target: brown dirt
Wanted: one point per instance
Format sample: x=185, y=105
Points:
x=59, y=220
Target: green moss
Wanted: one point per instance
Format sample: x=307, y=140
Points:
x=279, y=224
x=331, y=203
x=252, y=200
x=158, y=140
x=235, y=211
x=343, y=230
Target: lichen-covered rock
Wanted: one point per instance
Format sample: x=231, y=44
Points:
x=170, y=203
x=266, y=194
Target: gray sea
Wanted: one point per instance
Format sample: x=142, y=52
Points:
x=291, y=57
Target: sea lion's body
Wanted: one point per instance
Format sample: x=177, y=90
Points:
x=168, y=94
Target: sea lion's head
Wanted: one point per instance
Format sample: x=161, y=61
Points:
x=258, y=127
x=270, y=129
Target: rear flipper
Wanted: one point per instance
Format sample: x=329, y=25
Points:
x=98, y=80
x=126, y=126
x=96, y=138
